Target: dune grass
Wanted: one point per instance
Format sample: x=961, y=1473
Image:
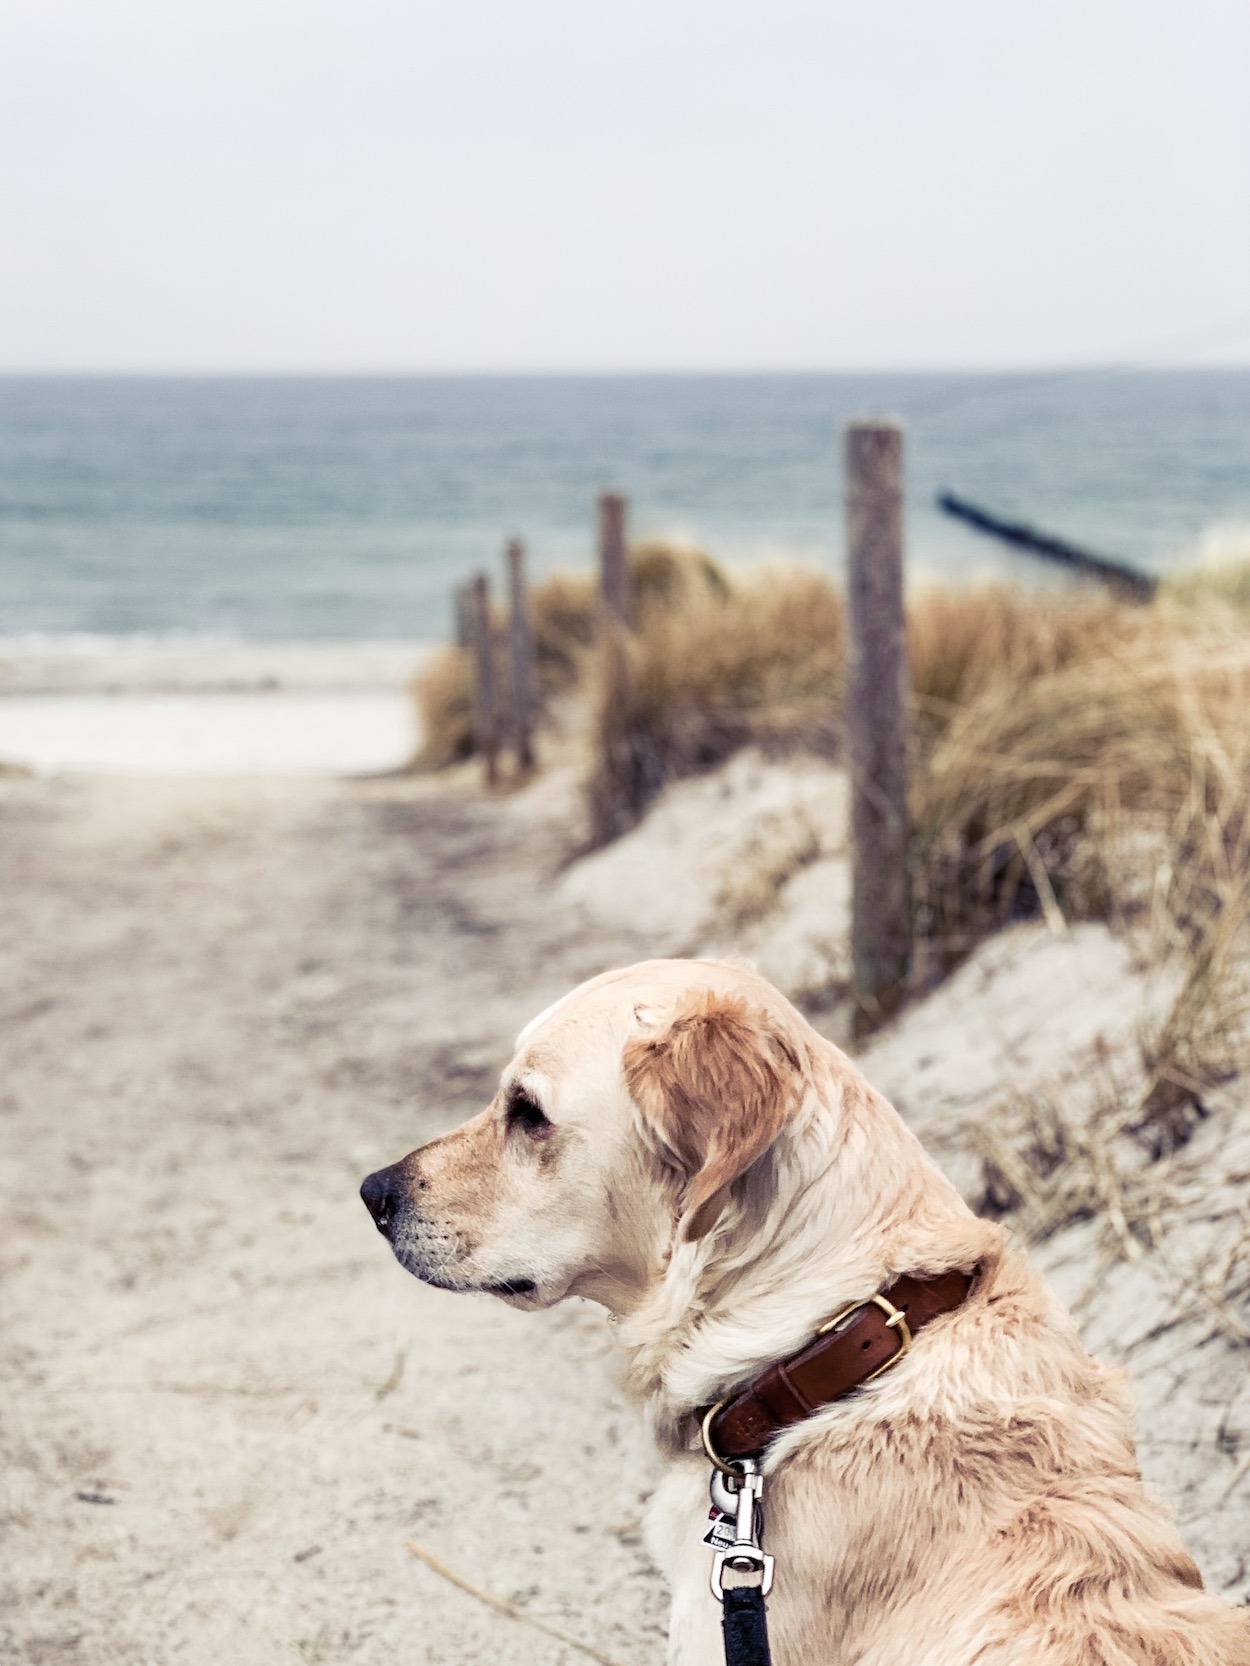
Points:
x=1223, y=577
x=1020, y=800
x=1063, y=742
x=1113, y=1152
x=766, y=665
x=760, y=664
x=564, y=615
x=563, y=612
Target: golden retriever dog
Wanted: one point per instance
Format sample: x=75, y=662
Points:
x=675, y=1142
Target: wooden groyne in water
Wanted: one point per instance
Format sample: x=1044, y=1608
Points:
x=1118, y=574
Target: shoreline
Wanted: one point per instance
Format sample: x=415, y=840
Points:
x=144, y=707
x=81, y=663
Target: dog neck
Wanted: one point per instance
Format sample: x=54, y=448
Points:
x=844, y=1202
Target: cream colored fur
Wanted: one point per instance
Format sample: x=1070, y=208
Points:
x=978, y=1503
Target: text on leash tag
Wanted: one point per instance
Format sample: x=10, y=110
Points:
x=721, y=1534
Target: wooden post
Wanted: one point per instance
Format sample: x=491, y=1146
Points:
x=462, y=606
x=485, y=714
x=614, y=559
x=619, y=765
x=521, y=653
x=877, y=717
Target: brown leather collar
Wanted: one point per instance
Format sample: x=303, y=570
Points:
x=857, y=1344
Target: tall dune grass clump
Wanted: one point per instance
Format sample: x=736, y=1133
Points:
x=443, y=693
x=962, y=643
x=1051, y=792
x=1118, y=788
x=761, y=663
x=564, y=612
x=1073, y=755
x=1116, y=785
x=766, y=665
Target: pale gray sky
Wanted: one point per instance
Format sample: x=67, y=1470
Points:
x=620, y=184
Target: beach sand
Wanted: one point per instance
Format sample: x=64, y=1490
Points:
x=162, y=708
x=225, y=1409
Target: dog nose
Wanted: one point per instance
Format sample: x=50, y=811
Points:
x=380, y=1199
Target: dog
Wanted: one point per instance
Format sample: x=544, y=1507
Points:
x=676, y=1143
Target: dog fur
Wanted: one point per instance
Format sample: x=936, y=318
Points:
x=675, y=1142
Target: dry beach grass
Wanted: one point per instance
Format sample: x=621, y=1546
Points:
x=564, y=613
x=1052, y=733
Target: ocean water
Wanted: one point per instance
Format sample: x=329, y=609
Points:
x=348, y=508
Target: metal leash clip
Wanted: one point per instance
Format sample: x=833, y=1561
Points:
x=743, y=1501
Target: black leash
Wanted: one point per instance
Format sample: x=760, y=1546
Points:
x=745, y=1623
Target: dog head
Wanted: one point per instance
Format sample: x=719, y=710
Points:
x=628, y=1114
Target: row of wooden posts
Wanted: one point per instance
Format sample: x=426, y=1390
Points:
x=505, y=716
x=500, y=715
x=876, y=691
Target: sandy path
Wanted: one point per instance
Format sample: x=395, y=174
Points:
x=224, y=1409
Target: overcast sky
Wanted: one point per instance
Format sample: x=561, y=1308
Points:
x=401, y=185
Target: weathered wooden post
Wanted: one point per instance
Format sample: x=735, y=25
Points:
x=876, y=703
x=521, y=654
x=619, y=771
x=616, y=610
x=485, y=711
x=462, y=606
x=614, y=559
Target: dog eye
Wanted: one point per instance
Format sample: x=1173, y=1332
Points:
x=524, y=1113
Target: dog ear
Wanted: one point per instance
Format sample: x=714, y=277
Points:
x=716, y=1085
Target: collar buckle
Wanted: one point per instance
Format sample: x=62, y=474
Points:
x=895, y=1318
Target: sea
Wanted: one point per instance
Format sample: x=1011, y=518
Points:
x=309, y=508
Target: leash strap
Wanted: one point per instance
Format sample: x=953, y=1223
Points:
x=746, y=1627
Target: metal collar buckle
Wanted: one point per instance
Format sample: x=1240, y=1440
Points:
x=894, y=1317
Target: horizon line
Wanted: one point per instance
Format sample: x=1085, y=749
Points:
x=1099, y=367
